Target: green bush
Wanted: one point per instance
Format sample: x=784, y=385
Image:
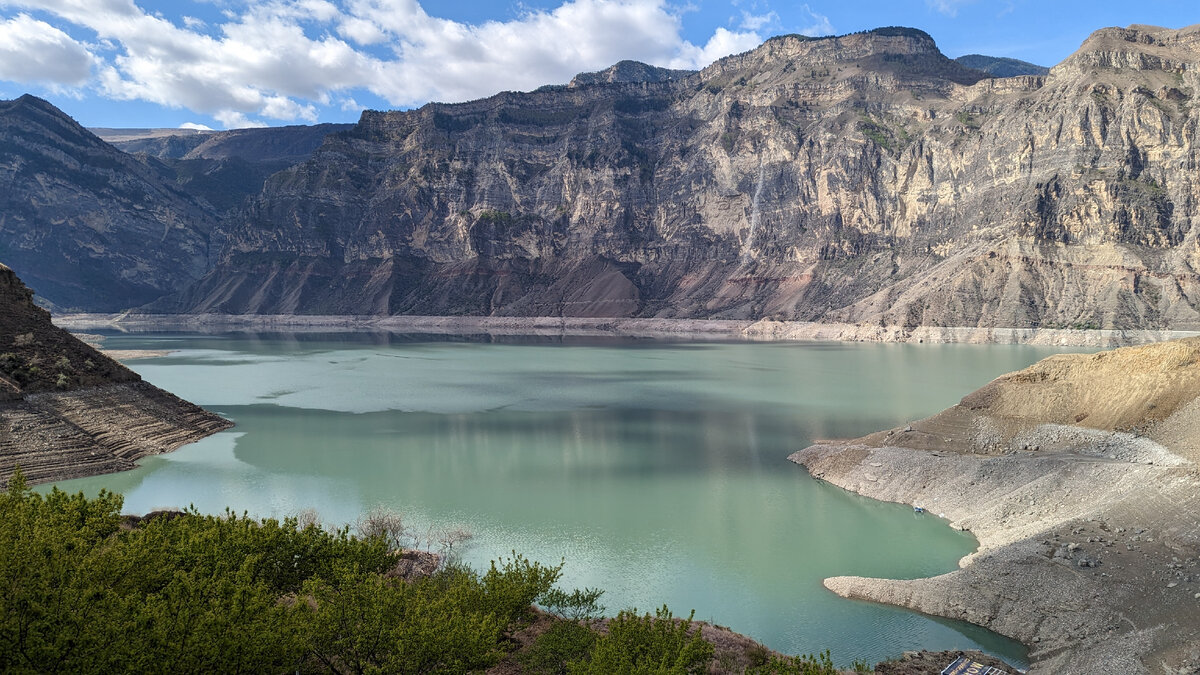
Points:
x=566, y=642
x=645, y=645
x=575, y=606
x=80, y=593
x=795, y=665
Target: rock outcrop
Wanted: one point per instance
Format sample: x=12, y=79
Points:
x=66, y=410
x=865, y=179
x=87, y=225
x=1078, y=475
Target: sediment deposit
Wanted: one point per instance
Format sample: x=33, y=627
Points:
x=1078, y=475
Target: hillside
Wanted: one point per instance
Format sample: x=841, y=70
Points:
x=864, y=178
x=66, y=410
x=222, y=167
x=76, y=215
x=999, y=66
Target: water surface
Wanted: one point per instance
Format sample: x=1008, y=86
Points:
x=656, y=470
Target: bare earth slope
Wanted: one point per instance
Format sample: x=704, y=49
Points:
x=1079, y=477
x=67, y=410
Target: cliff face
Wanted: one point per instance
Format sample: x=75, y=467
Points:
x=87, y=225
x=864, y=178
x=66, y=410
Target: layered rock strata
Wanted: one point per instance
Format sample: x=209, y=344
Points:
x=861, y=179
x=67, y=411
x=1078, y=475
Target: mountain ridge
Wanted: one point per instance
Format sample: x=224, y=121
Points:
x=839, y=179
x=864, y=178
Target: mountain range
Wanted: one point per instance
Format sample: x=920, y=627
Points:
x=864, y=178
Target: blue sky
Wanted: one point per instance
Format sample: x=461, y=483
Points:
x=233, y=63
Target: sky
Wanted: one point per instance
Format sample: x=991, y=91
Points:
x=237, y=63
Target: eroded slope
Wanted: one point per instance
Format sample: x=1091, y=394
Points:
x=1078, y=476
x=66, y=410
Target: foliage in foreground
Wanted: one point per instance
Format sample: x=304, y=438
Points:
x=82, y=593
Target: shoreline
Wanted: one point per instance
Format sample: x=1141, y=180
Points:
x=700, y=329
x=1088, y=535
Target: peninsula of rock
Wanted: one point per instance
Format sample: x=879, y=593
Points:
x=1079, y=477
x=68, y=411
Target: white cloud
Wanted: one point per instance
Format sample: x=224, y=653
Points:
x=756, y=22
x=34, y=51
x=947, y=7
x=820, y=24
x=278, y=58
x=196, y=126
x=722, y=43
x=233, y=119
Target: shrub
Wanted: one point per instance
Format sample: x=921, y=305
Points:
x=795, y=665
x=385, y=525
x=647, y=644
x=566, y=642
x=576, y=606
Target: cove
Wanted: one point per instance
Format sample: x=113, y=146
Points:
x=656, y=470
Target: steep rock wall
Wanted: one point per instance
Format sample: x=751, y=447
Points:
x=865, y=178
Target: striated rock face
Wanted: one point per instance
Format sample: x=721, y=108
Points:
x=66, y=410
x=863, y=178
x=87, y=225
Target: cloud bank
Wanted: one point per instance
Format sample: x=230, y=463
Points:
x=279, y=59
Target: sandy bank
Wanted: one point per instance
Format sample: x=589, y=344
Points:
x=649, y=328
x=1078, y=476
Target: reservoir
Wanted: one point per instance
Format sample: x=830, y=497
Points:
x=654, y=470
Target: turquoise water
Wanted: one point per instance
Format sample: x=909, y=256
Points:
x=657, y=471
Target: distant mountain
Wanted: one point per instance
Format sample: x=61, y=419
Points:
x=88, y=226
x=626, y=72
x=223, y=167
x=267, y=144
x=999, y=66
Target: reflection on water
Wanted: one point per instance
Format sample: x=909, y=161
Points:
x=657, y=471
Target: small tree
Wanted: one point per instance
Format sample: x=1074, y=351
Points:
x=384, y=523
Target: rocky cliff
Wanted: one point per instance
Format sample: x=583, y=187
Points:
x=861, y=178
x=87, y=225
x=66, y=410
